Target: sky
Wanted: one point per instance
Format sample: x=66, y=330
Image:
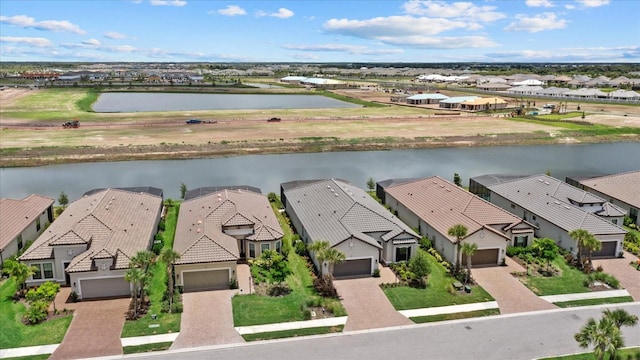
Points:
x=320, y=31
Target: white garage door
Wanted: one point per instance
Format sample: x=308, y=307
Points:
x=103, y=288
x=205, y=280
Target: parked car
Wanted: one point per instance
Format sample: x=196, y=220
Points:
x=194, y=121
x=71, y=124
x=274, y=119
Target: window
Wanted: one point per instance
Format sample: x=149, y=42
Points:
x=615, y=221
x=252, y=250
x=38, y=224
x=264, y=247
x=520, y=241
x=48, y=270
x=278, y=246
x=20, y=244
x=513, y=206
x=403, y=253
x=533, y=217
x=42, y=271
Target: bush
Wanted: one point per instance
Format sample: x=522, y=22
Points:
x=324, y=287
x=419, y=265
x=270, y=267
x=161, y=225
x=376, y=273
x=425, y=243
x=233, y=284
x=515, y=250
x=300, y=248
x=450, y=289
x=37, y=312
x=602, y=277
x=278, y=289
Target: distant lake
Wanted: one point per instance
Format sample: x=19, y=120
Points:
x=141, y=102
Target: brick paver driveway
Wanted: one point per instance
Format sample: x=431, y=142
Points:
x=95, y=328
x=512, y=296
x=629, y=277
x=207, y=320
x=367, y=306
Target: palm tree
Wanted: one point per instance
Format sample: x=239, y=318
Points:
x=469, y=249
x=579, y=235
x=459, y=231
x=169, y=256
x=19, y=271
x=333, y=256
x=591, y=244
x=620, y=318
x=318, y=248
x=135, y=276
x=142, y=260
x=604, y=335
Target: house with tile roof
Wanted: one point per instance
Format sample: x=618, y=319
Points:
x=22, y=221
x=351, y=221
x=218, y=228
x=622, y=190
x=89, y=246
x=433, y=205
x=557, y=208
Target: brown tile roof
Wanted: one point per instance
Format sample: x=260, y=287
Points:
x=624, y=187
x=114, y=223
x=442, y=204
x=199, y=232
x=16, y=215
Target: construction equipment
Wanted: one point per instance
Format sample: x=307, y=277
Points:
x=73, y=124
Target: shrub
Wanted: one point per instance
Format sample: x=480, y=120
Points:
x=37, y=312
x=278, y=289
x=425, y=243
x=450, y=289
x=161, y=225
x=514, y=250
x=270, y=267
x=300, y=248
x=233, y=284
x=419, y=265
x=602, y=277
x=324, y=287
x=376, y=273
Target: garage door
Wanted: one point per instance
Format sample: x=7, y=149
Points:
x=206, y=280
x=483, y=257
x=608, y=249
x=359, y=267
x=102, y=288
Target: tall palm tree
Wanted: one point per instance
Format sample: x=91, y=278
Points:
x=579, y=235
x=591, y=244
x=459, y=231
x=333, y=256
x=604, y=335
x=169, y=257
x=469, y=249
x=142, y=260
x=135, y=276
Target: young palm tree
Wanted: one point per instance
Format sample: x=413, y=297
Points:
x=333, y=256
x=169, y=256
x=591, y=244
x=142, y=260
x=579, y=235
x=135, y=276
x=469, y=249
x=318, y=248
x=604, y=335
x=621, y=317
x=459, y=231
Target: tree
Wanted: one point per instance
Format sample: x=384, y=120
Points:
x=19, y=271
x=142, y=260
x=591, y=244
x=135, y=277
x=63, y=199
x=371, y=185
x=419, y=264
x=325, y=253
x=469, y=249
x=458, y=231
x=621, y=317
x=546, y=249
x=580, y=235
x=456, y=179
x=169, y=257
x=183, y=190
x=604, y=334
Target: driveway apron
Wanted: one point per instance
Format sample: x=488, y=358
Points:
x=367, y=306
x=95, y=329
x=512, y=296
x=207, y=319
x=629, y=277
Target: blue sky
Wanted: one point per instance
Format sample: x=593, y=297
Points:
x=320, y=31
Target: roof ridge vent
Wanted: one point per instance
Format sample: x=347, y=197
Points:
x=540, y=180
x=557, y=202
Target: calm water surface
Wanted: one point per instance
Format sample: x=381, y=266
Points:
x=268, y=171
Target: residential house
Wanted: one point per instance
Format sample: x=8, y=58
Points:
x=216, y=229
x=434, y=205
x=454, y=102
x=480, y=104
x=622, y=190
x=90, y=245
x=22, y=221
x=425, y=99
x=557, y=208
x=351, y=221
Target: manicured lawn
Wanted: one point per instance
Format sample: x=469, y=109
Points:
x=435, y=294
x=612, y=300
x=15, y=334
x=570, y=282
x=293, y=333
x=623, y=354
x=146, y=348
x=256, y=310
x=32, y=357
x=456, y=316
x=169, y=323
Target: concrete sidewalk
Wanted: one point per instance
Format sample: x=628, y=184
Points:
x=453, y=309
x=585, y=296
x=28, y=351
x=293, y=325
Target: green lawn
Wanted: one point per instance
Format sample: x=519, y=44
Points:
x=570, y=282
x=146, y=348
x=15, y=334
x=293, y=333
x=612, y=300
x=256, y=310
x=456, y=316
x=168, y=323
x=405, y=297
x=623, y=354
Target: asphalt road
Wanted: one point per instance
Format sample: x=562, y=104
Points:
x=519, y=336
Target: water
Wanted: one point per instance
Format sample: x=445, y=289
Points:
x=140, y=102
x=268, y=171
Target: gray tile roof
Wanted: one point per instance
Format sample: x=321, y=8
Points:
x=334, y=210
x=442, y=204
x=113, y=223
x=17, y=215
x=194, y=193
x=547, y=197
x=624, y=187
x=199, y=232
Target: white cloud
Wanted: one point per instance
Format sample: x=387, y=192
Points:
x=539, y=3
x=569, y=7
x=537, y=23
x=122, y=48
x=588, y=54
x=593, y=3
x=282, y=13
x=394, y=26
x=457, y=10
x=92, y=42
x=447, y=42
x=168, y=2
x=47, y=25
x=31, y=41
x=351, y=49
x=114, y=35
x=232, y=10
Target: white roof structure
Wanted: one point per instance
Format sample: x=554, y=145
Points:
x=586, y=93
x=427, y=96
x=624, y=94
x=524, y=89
x=553, y=91
x=528, y=82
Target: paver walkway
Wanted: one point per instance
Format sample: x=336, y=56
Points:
x=367, y=306
x=95, y=328
x=207, y=320
x=512, y=296
x=629, y=277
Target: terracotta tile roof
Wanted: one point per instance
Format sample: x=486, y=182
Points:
x=199, y=232
x=112, y=222
x=624, y=187
x=16, y=215
x=442, y=204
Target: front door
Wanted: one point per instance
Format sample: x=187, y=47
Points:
x=67, y=277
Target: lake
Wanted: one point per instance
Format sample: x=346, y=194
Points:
x=142, y=102
x=268, y=171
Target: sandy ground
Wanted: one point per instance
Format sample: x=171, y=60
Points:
x=9, y=95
